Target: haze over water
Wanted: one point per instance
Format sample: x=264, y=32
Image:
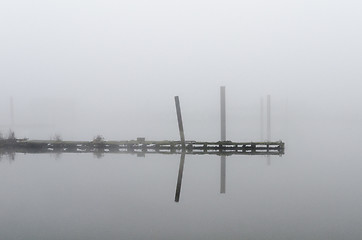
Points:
x=82, y=68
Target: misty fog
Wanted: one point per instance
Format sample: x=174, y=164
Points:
x=79, y=69
x=82, y=68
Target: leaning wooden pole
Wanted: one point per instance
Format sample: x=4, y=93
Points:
x=182, y=159
x=223, y=138
x=179, y=119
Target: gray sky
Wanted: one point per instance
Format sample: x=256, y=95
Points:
x=125, y=60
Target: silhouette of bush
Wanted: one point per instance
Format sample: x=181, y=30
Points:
x=58, y=138
x=98, y=139
x=11, y=135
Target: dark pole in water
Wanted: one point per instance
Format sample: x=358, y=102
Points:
x=268, y=119
x=179, y=178
x=223, y=138
x=179, y=119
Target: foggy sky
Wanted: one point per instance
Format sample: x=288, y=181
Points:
x=113, y=67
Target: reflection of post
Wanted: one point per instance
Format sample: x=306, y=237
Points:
x=268, y=120
x=261, y=119
x=223, y=138
x=223, y=174
x=12, y=111
x=179, y=178
x=179, y=119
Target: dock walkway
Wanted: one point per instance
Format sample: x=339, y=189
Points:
x=142, y=147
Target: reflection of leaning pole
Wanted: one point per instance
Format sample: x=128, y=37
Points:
x=179, y=177
x=182, y=159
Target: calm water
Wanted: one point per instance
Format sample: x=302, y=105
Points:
x=312, y=192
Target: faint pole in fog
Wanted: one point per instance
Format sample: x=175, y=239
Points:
x=223, y=113
x=268, y=127
x=262, y=119
x=12, y=112
x=223, y=138
x=286, y=121
x=268, y=119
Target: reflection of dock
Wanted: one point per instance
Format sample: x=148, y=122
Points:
x=144, y=147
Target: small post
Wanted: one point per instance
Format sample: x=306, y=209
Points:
x=179, y=119
x=268, y=119
x=179, y=178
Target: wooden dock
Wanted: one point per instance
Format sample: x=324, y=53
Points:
x=141, y=146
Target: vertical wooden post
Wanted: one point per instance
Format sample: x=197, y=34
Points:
x=223, y=113
x=179, y=178
x=268, y=119
x=179, y=119
x=223, y=138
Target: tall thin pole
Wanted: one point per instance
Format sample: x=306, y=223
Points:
x=12, y=111
x=268, y=119
x=223, y=138
x=261, y=119
x=179, y=119
x=223, y=113
x=182, y=159
x=268, y=125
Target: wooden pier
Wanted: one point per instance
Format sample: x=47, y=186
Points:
x=143, y=147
